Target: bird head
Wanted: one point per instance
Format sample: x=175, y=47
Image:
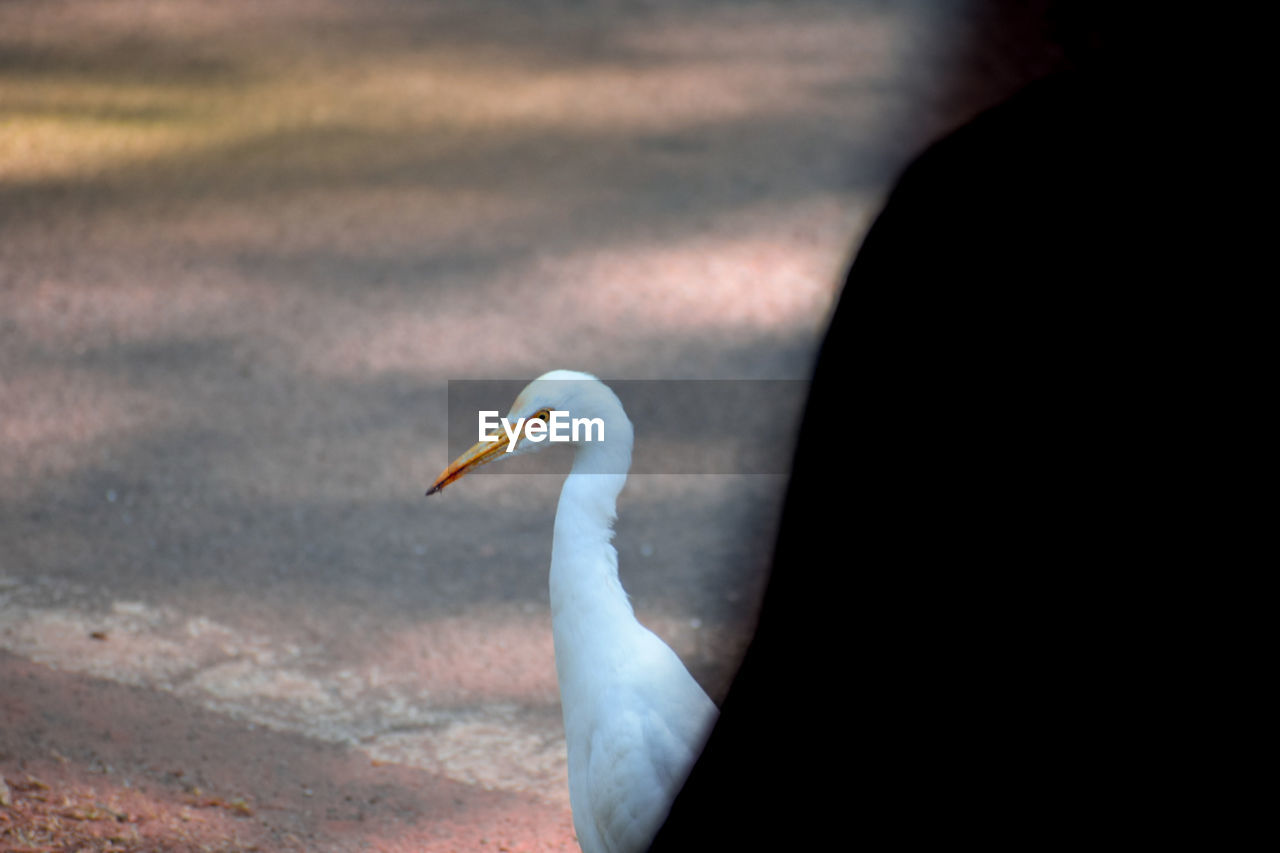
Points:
x=580, y=395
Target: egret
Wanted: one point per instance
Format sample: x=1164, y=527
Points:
x=634, y=718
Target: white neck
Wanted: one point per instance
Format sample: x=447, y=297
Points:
x=587, y=600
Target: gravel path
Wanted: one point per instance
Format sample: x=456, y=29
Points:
x=242, y=250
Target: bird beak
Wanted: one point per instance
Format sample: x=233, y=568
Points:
x=479, y=454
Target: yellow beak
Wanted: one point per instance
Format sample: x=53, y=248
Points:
x=478, y=454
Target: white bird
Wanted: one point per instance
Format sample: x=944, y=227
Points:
x=635, y=720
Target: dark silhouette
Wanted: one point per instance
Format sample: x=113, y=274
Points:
x=928, y=658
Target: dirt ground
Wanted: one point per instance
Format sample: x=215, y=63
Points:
x=244, y=247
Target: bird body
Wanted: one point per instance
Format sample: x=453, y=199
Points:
x=634, y=718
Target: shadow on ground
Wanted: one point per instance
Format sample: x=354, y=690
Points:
x=242, y=249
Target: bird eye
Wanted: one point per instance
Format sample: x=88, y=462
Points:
x=543, y=415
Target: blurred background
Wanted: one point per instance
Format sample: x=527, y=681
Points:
x=243, y=248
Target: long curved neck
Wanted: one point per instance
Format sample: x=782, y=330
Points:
x=584, y=564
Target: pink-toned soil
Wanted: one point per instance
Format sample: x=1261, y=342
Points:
x=243, y=248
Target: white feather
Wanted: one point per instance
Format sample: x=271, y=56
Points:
x=634, y=718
